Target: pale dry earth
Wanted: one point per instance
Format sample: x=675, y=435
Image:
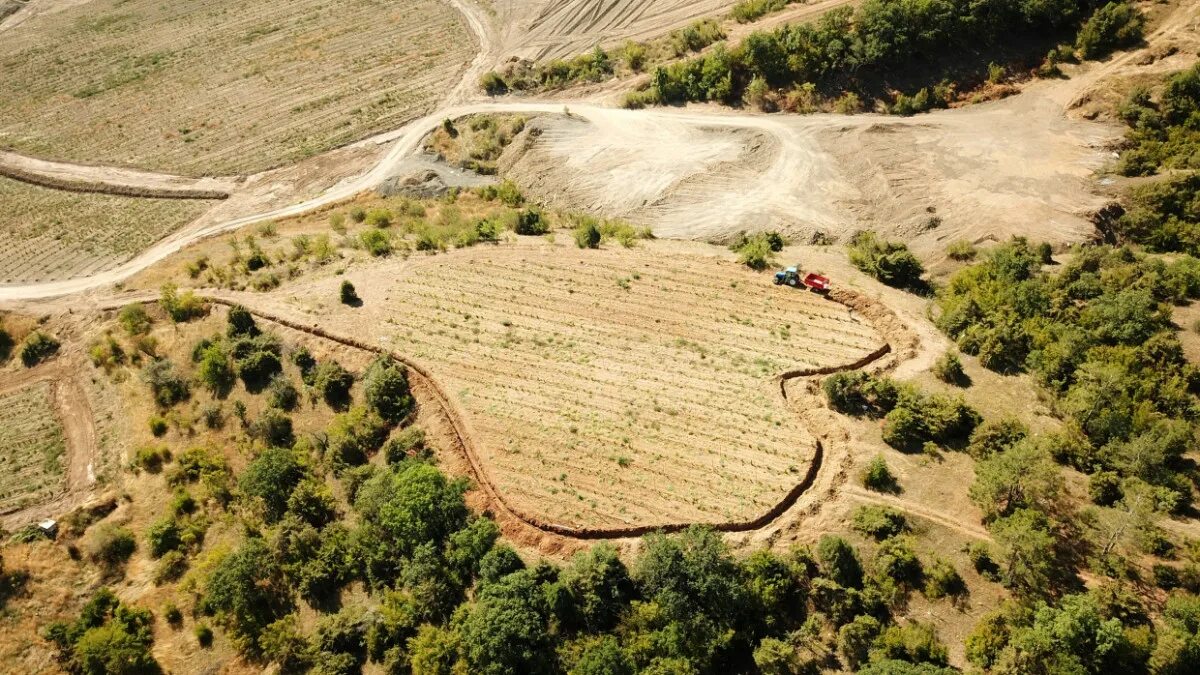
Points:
x=606, y=388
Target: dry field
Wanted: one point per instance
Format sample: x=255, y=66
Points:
x=612, y=387
x=32, y=445
x=564, y=28
x=218, y=86
x=48, y=234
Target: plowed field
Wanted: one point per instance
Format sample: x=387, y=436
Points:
x=612, y=387
x=218, y=86
x=32, y=446
x=47, y=235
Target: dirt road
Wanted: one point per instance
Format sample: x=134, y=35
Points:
x=984, y=172
x=111, y=180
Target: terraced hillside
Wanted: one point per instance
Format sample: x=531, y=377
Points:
x=615, y=387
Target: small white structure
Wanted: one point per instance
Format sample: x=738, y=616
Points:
x=49, y=527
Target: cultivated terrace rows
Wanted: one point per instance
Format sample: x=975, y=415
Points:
x=617, y=387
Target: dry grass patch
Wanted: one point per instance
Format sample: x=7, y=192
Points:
x=47, y=235
x=32, y=446
x=221, y=87
x=619, y=386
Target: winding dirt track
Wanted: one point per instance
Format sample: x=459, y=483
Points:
x=506, y=510
x=110, y=180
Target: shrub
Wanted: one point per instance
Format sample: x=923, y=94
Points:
x=282, y=394
x=855, y=639
x=271, y=477
x=385, y=385
x=134, y=319
x=994, y=437
x=214, y=369
x=532, y=222
x=376, y=242
x=181, y=306
x=163, y=536
x=37, y=348
x=859, y=393
x=985, y=565
x=587, y=235
x=961, y=250
x=839, y=561
x=167, y=386
x=111, y=545
x=241, y=322
x=347, y=294
x=1104, y=488
x=942, y=580
x=913, y=642
x=274, y=428
x=879, y=522
x=354, y=436
x=333, y=382
x=171, y=567
x=151, y=458
x=1113, y=26
x=889, y=262
x=407, y=444
x=949, y=368
x=379, y=217
x=493, y=84
x=173, y=616
x=204, y=635
x=878, y=477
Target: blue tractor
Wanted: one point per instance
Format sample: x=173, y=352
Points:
x=788, y=277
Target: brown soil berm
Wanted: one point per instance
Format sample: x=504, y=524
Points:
x=68, y=185
x=467, y=439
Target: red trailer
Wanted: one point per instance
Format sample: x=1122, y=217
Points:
x=816, y=282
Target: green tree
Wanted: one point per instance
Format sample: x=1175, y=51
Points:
x=839, y=561
x=241, y=322
x=385, y=385
x=333, y=382
x=134, y=319
x=271, y=478
x=38, y=347
x=599, y=587
x=1022, y=477
x=507, y=631
x=347, y=293
x=214, y=369
x=246, y=591
x=855, y=639
x=1113, y=26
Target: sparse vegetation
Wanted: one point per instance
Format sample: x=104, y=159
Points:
x=37, y=348
x=878, y=477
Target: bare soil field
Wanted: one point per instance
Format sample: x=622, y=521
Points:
x=613, y=387
x=563, y=28
x=219, y=87
x=49, y=234
x=1013, y=167
x=32, y=446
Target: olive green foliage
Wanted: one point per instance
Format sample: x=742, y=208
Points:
x=879, y=522
x=257, y=359
x=166, y=385
x=215, y=369
x=270, y=479
x=1075, y=634
x=332, y=382
x=354, y=436
x=246, y=591
x=995, y=436
x=385, y=385
x=889, y=262
x=407, y=444
x=890, y=37
x=38, y=347
x=911, y=418
x=1163, y=135
x=347, y=294
x=1113, y=26
x=949, y=369
x=878, y=477
x=134, y=319
x=6, y=344
x=587, y=235
x=108, y=638
x=183, y=306
x=749, y=10
x=273, y=427
x=110, y=545
x=1097, y=334
x=757, y=251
